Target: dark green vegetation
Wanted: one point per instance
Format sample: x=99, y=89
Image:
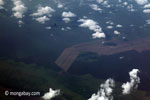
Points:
x=30, y=77
x=18, y=76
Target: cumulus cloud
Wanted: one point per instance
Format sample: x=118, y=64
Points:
x=95, y=7
x=125, y=3
x=109, y=27
x=116, y=32
x=141, y=2
x=19, y=9
x=60, y=5
x=1, y=4
x=43, y=14
x=43, y=11
x=92, y=25
x=68, y=14
x=146, y=11
x=99, y=1
x=51, y=94
x=118, y=25
x=147, y=6
x=42, y=19
x=105, y=92
x=98, y=35
x=134, y=81
x=66, y=20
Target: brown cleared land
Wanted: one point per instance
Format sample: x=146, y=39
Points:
x=69, y=55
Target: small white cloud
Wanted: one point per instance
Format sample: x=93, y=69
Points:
x=116, y=32
x=68, y=28
x=141, y=2
x=60, y=5
x=146, y=11
x=95, y=7
x=1, y=4
x=118, y=25
x=122, y=57
x=98, y=35
x=42, y=19
x=48, y=28
x=130, y=8
x=125, y=3
x=63, y=29
x=148, y=21
x=92, y=25
x=68, y=14
x=105, y=92
x=51, y=94
x=119, y=1
x=66, y=20
x=20, y=22
x=109, y=27
x=19, y=9
x=43, y=11
x=147, y=6
x=99, y=1
x=134, y=81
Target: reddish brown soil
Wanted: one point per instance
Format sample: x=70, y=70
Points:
x=69, y=55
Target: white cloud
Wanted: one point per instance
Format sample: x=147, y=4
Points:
x=110, y=22
x=68, y=14
x=98, y=35
x=63, y=29
x=20, y=22
x=66, y=20
x=92, y=25
x=1, y=4
x=147, y=6
x=51, y=94
x=141, y=2
x=60, y=5
x=19, y=9
x=148, y=21
x=99, y=1
x=43, y=14
x=116, y=32
x=118, y=25
x=146, y=11
x=130, y=8
x=109, y=27
x=125, y=3
x=42, y=19
x=48, y=28
x=105, y=92
x=133, y=84
x=119, y=1
x=68, y=28
x=44, y=11
x=95, y=7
